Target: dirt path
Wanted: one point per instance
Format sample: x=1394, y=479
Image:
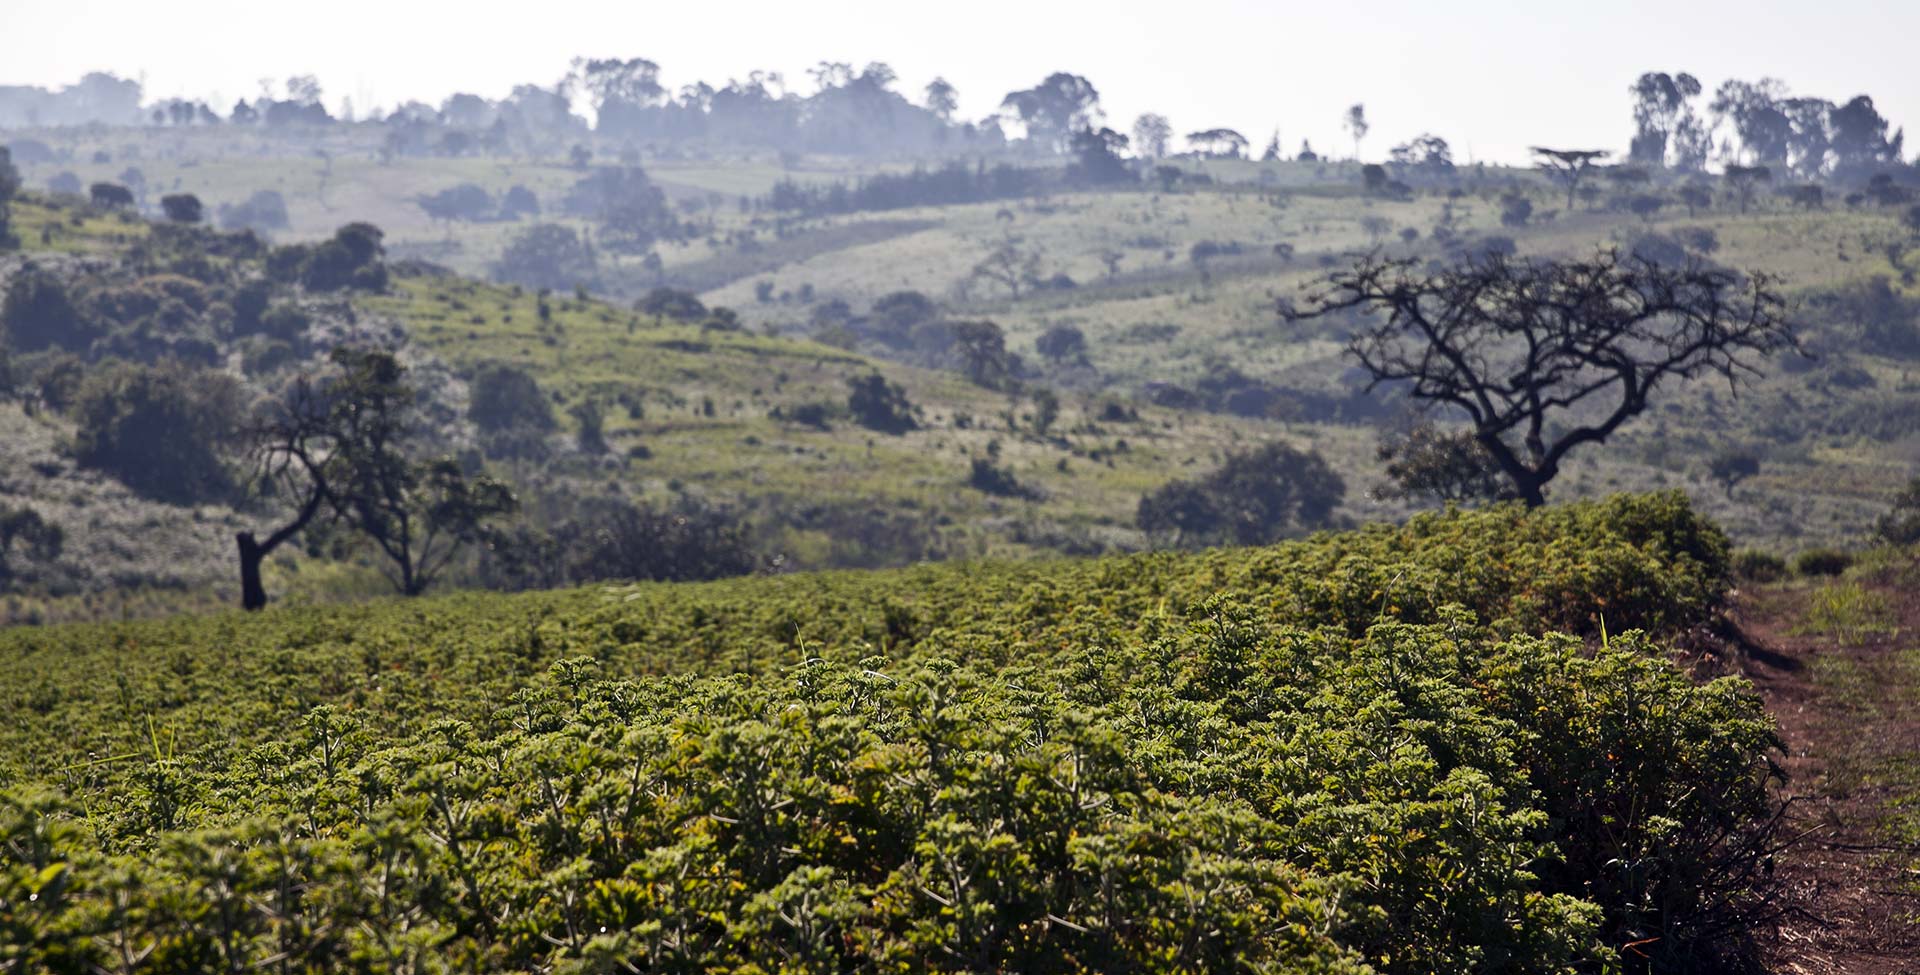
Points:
x=1839, y=667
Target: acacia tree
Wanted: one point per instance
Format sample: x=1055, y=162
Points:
x=1568, y=167
x=1544, y=357
x=335, y=447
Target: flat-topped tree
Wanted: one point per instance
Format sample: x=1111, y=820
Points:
x=1546, y=356
x=1568, y=167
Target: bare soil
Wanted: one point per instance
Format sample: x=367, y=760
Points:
x=1848, y=707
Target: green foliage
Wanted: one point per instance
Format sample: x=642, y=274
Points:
x=39, y=313
x=1253, y=498
x=30, y=537
x=417, y=515
x=163, y=430
x=988, y=477
x=1761, y=567
x=1848, y=613
x=548, y=256
x=1901, y=524
x=1339, y=765
x=1822, y=562
x=1429, y=464
x=182, y=208
x=504, y=397
x=879, y=405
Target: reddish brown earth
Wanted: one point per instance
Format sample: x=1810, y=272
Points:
x=1848, y=708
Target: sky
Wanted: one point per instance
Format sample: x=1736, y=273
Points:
x=1490, y=76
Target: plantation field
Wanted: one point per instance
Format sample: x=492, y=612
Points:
x=1359, y=752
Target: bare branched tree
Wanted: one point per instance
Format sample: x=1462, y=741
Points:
x=1544, y=356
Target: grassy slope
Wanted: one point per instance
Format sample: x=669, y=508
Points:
x=1820, y=490
x=673, y=371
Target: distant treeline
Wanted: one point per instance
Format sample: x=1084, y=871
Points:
x=954, y=183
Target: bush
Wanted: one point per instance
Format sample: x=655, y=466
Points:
x=1760, y=567
x=26, y=536
x=182, y=208
x=38, y=313
x=1253, y=498
x=1822, y=562
x=161, y=430
x=504, y=397
x=1901, y=524
x=265, y=210
x=548, y=256
x=879, y=405
x=988, y=477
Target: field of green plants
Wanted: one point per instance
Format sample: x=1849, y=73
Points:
x=1417, y=748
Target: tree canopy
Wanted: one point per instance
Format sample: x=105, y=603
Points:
x=1547, y=356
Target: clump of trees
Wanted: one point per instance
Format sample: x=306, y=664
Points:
x=353, y=258
x=1253, y=498
x=953, y=184
x=1545, y=357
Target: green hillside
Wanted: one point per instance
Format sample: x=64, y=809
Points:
x=1347, y=754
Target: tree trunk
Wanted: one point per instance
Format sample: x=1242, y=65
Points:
x=1531, y=490
x=253, y=595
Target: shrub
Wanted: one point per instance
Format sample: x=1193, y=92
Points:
x=26, y=536
x=1253, y=498
x=879, y=405
x=1822, y=562
x=989, y=477
x=504, y=397
x=1901, y=524
x=548, y=256
x=265, y=210
x=160, y=429
x=182, y=208
x=1760, y=567
x=39, y=313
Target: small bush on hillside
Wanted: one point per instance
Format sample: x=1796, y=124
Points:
x=504, y=397
x=879, y=405
x=1761, y=567
x=1822, y=562
x=988, y=477
x=1253, y=498
x=1901, y=524
x=161, y=430
x=39, y=313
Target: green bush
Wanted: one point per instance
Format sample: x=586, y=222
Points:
x=162, y=430
x=1822, y=562
x=1761, y=567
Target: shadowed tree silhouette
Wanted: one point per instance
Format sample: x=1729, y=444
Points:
x=1547, y=356
x=1568, y=167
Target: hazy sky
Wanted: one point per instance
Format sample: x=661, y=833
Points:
x=1491, y=76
